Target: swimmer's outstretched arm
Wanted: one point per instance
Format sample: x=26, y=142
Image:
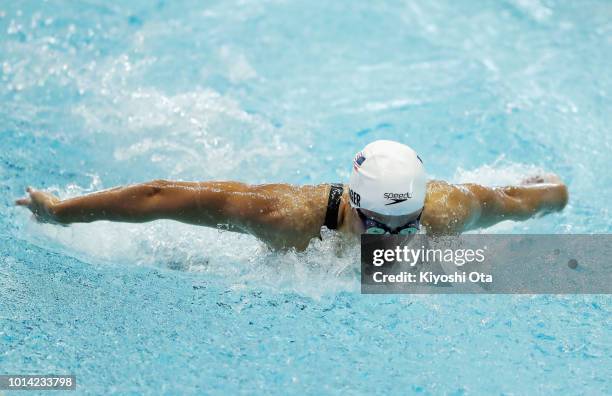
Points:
x=453, y=209
x=534, y=197
x=276, y=213
x=137, y=203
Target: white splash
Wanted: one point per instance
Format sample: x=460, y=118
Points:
x=500, y=173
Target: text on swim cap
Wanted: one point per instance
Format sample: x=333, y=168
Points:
x=355, y=198
x=397, y=198
x=404, y=196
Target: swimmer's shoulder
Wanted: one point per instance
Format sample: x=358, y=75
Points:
x=449, y=208
x=296, y=216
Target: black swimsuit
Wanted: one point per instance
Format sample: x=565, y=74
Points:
x=333, y=205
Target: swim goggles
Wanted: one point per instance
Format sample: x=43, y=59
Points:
x=373, y=226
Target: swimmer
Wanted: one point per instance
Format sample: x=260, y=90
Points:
x=388, y=192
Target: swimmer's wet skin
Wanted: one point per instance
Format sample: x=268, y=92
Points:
x=287, y=216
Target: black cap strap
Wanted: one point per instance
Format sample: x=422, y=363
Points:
x=333, y=205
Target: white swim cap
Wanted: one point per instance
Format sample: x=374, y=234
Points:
x=388, y=178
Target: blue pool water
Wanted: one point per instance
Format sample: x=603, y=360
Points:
x=95, y=94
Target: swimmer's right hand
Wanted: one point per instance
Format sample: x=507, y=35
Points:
x=41, y=204
x=544, y=178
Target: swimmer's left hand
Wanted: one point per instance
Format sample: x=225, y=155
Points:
x=41, y=204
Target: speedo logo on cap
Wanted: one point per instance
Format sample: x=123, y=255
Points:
x=396, y=198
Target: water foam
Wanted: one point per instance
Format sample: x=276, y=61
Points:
x=500, y=173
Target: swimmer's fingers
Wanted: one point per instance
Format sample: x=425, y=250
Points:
x=542, y=178
x=536, y=179
x=27, y=201
x=23, y=201
x=40, y=204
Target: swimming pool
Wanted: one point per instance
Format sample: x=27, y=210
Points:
x=94, y=95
